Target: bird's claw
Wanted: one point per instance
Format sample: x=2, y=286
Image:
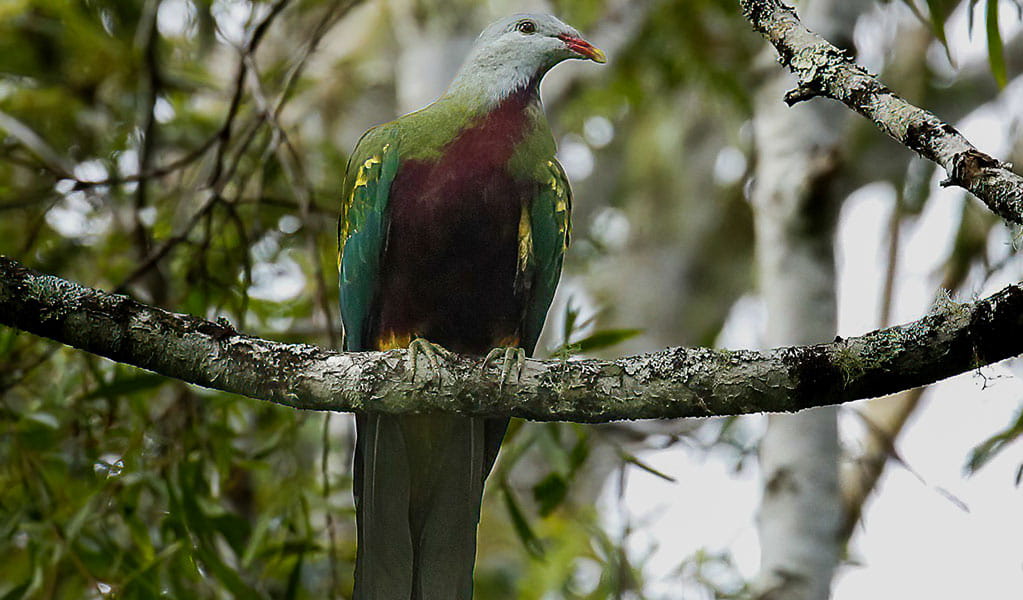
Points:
x=429, y=351
x=512, y=359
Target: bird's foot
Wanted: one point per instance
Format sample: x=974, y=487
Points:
x=429, y=351
x=513, y=361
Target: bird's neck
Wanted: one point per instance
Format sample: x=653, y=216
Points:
x=484, y=83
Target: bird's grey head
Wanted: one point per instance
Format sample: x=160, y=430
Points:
x=517, y=51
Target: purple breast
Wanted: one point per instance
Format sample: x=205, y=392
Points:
x=448, y=270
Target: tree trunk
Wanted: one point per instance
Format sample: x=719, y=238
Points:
x=795, y=216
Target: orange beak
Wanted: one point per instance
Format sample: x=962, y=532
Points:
x=583, y=48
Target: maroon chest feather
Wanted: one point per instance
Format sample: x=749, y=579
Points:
x=448, y=271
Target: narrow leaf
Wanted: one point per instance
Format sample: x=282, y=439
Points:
x=983, y=452
x=969, y=17
x=571, y=315
x=519, y=522
x=295, y=579
x=598, y=341
x=17, y=592
x=632, y=460
x=127, y=385
x=940, y=10
x=550, y=493
x=995, y=50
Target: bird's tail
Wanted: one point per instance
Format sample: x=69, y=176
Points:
x=418, y=486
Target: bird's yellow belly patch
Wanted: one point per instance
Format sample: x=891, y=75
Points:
x=393, y=341
x=508, y=341
x=399, y=341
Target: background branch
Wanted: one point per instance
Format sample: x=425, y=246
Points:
x=824, y=70
x=676, y=382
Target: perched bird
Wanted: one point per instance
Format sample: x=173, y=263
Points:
x=454, y=222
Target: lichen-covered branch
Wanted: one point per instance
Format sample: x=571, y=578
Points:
x=824, y=70
x=676, y=382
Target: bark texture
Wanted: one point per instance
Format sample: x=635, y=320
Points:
x=675, y=382
x=824, y=70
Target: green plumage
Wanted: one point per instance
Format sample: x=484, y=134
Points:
x=361, y=234
x=371, y=169
x=454, y=223
x=551, y=225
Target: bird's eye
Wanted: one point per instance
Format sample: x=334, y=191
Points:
x=526, y=27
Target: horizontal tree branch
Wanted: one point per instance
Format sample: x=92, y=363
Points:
x=676, y=382
x=824, y=70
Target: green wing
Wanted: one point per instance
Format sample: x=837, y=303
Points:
x=362, y=230
x=550, y=227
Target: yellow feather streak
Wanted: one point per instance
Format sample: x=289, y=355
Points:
x=393, y=341
x=361, y=181
x=525, y=242
x=560, y=206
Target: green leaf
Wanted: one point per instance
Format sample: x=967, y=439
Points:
x=570, y=318
x=519, y=522
x=969, y=16
x=989, y=448
x=195, y=521
x=255, y=541
x=554, y=452
x=598, y=341
x=16, y=593
x=76, y=522
x=235, y=529
x=580, y=451
x=632, y=460
x=995, y=50
x=940, y=11
x=550, y=493
x=39, y=431
x=139, y=577
x=295, y=579
x=127, y=385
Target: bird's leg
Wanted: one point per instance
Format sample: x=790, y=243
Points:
x=512, y=359
x=430, y=351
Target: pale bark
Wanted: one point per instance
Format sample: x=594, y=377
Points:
x=676, y=382
x=824, y=70
x=801, y=509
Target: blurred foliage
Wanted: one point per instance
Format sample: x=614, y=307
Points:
x=939, y=11
x=984, y=452
x=189, y=153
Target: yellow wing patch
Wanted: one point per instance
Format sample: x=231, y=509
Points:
x=362, y=179
x=525, y=254
x=563, y=205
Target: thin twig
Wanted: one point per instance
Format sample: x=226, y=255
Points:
x=223, y=137
x=148, y=38
x=291, y=162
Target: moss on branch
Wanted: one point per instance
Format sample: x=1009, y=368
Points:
x=676, y=382
x=824, y=70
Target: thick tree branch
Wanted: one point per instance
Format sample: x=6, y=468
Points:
x=824, y=70
x=677, y=382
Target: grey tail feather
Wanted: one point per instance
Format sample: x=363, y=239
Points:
x=418, y=486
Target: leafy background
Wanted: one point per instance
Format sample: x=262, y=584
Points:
x=189, y=153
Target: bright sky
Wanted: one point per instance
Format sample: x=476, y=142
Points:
x=914, y=541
